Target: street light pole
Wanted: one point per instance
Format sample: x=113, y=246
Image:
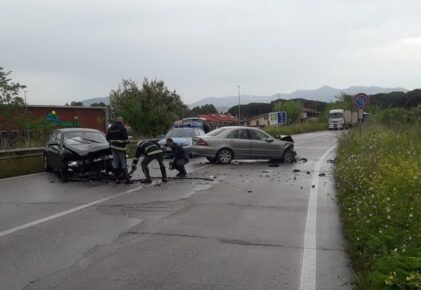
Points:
x=26, y=120
x=239, y=107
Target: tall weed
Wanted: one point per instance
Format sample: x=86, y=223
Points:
x=378, y=175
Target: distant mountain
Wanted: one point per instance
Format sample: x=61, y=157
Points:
x=324, y=94
x=327, y=94
x=89, y=102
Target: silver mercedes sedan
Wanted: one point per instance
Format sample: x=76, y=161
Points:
x=227, y=143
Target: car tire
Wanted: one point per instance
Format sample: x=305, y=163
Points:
x=225, y=156
x=62, y=172
x=288, y=156
x=45, y=165
x=211, y=159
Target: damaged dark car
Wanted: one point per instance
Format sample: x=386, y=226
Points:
x=77, y=152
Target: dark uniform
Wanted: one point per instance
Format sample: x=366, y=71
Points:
x=118, y=138
x=152, y=151
x=180, y=159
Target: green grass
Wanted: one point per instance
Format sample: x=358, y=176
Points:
x=296, y=128
x=20, y=166
x=378, y=175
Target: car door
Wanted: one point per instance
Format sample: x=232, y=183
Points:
x=263, y=145
x=239, y=141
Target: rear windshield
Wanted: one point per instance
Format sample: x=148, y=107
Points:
x=185, y=133
x=216, y=132
x=77, y=138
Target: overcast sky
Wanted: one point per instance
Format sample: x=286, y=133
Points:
x=67, y=50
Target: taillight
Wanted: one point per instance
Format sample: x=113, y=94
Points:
x=201, y=142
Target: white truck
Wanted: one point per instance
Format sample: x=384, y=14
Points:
x=342, y=119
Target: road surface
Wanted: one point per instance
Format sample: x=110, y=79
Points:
x=253, y=227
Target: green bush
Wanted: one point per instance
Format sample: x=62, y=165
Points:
x=296, y=128
x=379, y=192
x=20, y=166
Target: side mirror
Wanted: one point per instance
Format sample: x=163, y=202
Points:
x=269, y=140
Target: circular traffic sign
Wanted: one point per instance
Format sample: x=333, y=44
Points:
x=361, y=100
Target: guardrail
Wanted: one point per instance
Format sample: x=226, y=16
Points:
x=36, y=151
x=21, y=153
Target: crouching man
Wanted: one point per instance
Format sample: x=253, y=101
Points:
x=180, y=157
x=152, y=151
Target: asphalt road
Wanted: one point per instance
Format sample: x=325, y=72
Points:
x=253, y=227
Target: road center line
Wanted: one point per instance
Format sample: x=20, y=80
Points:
x=75, y=209
x=308, y=266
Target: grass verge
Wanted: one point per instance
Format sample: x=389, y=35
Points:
x=296, y=128
x=20, y=166
x=378, y=175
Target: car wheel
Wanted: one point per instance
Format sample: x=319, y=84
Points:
x=225, y=156
x=288, y=156
x=46, y=166
x=211, y=159
x=62, y=172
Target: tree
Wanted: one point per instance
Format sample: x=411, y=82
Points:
x=9, y=91
x=10, y=103
x=75, y=104
x=251, y=110
x=151, y=109
x=203, y=110
x=292, y=108
x=100, y=104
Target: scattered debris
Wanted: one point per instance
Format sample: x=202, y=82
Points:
x=249, y=191
x=274, y=164
x=308, y=172
x=303, y=160
x=331, y=161
x=212, y=177
x=296, y=170
x=302, y=187
x=295, y=177
x=266, y=171
x=313, y=186
x=322, y=174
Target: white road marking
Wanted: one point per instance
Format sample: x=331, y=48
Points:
x=75, y=209
x=308, y=266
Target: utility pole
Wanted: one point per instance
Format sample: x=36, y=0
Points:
x=26, y=120
x=239, y=107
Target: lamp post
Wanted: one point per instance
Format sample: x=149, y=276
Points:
x=26, y=120
x=239, y=107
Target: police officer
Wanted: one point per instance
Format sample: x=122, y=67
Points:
x=180, y=157
x=152, y=151
x=118, y=138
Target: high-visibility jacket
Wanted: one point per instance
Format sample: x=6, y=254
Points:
x=117, y=136
x=147, y=148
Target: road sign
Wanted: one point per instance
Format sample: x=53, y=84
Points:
x=278, y=118
x=361, y=101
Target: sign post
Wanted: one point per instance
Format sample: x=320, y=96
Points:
x=278, y=118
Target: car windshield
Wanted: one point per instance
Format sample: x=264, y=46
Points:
x=77, y=138
x=335, y=115
x=184, y=133
x=216, y=132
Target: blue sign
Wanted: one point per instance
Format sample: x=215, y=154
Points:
x=278, y=118
x=361, y=100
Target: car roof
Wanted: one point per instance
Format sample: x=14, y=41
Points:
x=69, y=130
x=238, y=127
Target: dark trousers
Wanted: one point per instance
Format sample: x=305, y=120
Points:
x=148, y=159
x=178, y=165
